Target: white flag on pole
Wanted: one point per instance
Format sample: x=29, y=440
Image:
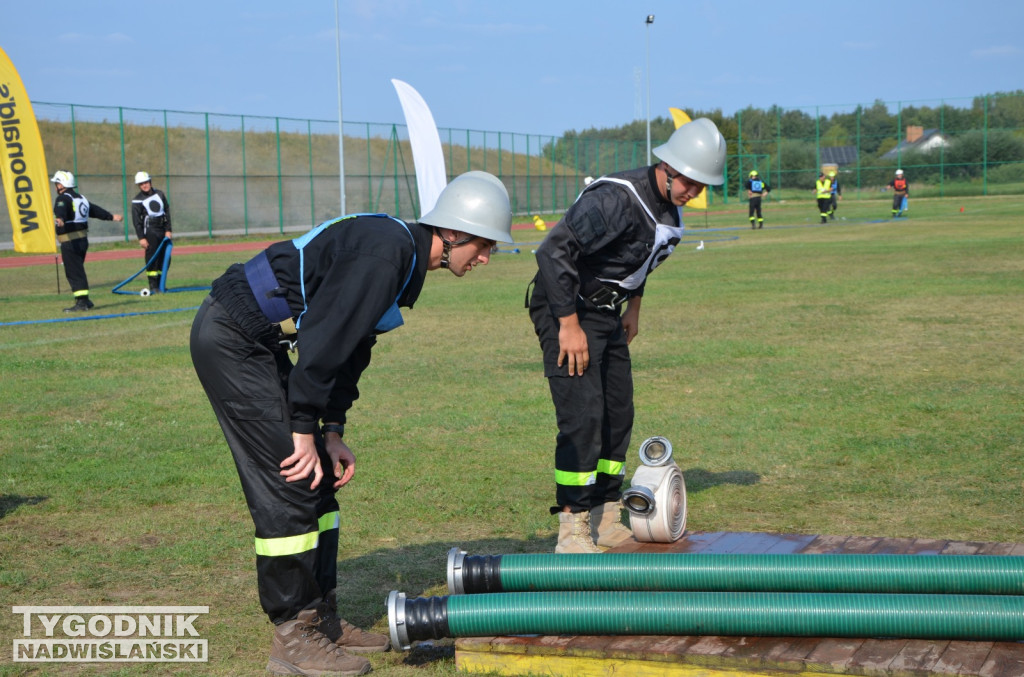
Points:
x=427, y=156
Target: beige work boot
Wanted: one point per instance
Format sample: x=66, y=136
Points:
x=606, y=526
x=343, y=633
x=574, y=533
x=300, y=649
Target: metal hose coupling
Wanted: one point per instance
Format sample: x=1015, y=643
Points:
x=413, y=620
x=470, y=574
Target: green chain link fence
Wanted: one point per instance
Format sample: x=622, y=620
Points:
x=237, y=174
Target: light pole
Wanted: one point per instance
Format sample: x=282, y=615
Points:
x=650, y=20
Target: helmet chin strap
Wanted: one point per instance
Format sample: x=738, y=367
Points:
x=447, y=245
x=668, y=183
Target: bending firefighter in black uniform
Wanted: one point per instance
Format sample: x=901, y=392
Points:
x=756, y=188
x=151, y=215
x=333, y=291
x=71, y=214
x=594, y=261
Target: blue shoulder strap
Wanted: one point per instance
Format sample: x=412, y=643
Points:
x=301, y=242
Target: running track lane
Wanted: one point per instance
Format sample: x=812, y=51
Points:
x=22, y=261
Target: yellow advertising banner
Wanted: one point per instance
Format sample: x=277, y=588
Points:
x=23, y=167
x=701, y=201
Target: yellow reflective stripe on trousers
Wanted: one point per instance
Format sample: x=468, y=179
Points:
x=611, y=467
x=575, y=479
x=329, y=521
x=287, y=545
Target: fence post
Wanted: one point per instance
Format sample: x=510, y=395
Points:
x=74, y=144
x=369, y=174
x=245, y=183
x=280, y=182
x=899, y=134
x=984, y=151
x=860, y=112
x=167, y=155
x=739, y=143
x=312, y=193
x=942, y=149
x=209, y=186
x=124, y=186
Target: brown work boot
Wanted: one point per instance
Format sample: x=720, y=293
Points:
x=606, y=525
x=299, y=648
x=574, y=534
x=343, y=633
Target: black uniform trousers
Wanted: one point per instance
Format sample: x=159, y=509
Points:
x=754, y=207
x=155, y=266
x=897, y=202
x=824, y=207
x=594, y=412
x=72, y=253
x=296, y=527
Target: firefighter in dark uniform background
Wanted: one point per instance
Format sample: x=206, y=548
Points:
x=837, y=194
x=71, y=214
x=332, y=291
x=756, y=188
x=585, y=308
x=151, y=215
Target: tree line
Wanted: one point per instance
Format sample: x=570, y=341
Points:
x=985, y=138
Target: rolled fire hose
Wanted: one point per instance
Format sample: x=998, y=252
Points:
x=656, y=498
x=755, y=614
x=920, y=574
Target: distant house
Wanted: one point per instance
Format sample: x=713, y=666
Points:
x=918, y=139
x=840, y=156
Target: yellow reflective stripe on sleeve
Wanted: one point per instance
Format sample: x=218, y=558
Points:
x=575, y=479
x=287, y=545
x=329, y=521
x=611, y=467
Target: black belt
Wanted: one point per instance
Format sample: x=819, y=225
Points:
x=603, y=296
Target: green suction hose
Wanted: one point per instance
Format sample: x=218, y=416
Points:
x=953, y=617
x=919, y=574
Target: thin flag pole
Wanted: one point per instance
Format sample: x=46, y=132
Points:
x=341, y=137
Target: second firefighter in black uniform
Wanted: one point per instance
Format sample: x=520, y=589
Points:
x=151, y=216
x=585, y=307
x=71, y=214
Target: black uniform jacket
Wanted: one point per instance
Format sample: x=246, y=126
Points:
x=604, y=234
x=64, y=209
x=353, y=272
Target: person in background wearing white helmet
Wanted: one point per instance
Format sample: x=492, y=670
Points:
x=151, y=216
x=71, y=214
x=591, y=265
x=899, y=193
x=756, y=188
x=332, y=291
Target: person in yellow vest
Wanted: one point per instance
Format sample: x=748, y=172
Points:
x=823, y=191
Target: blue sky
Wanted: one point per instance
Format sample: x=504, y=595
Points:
x=523, y=66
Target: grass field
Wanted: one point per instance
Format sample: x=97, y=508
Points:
x=860, y=378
